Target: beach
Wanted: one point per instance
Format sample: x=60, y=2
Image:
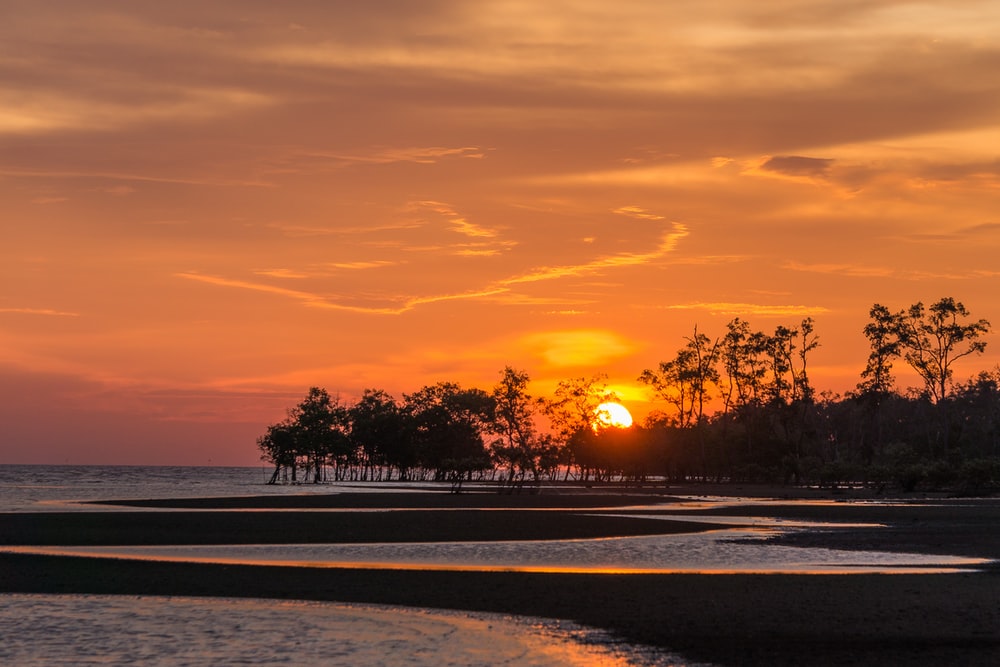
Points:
x=727, y=619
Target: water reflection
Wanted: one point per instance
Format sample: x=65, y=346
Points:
x=713, y=552
x=81, y=629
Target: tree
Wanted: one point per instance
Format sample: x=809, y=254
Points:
x=448, y=426
x=809, y=343
x=685, y=380
x=517, y=445
x=933, y=339
x=883, y=334
x=571, y=412
x=314, y=430
x=318, y=428
x=877, y=382
x=381, y=433
x=742, y=353
x=277, y=447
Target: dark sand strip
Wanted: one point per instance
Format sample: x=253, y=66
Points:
x=262, y=527
x=439, y=499
x=967, y=527
x=729, y=619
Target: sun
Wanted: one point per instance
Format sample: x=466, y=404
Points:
x=612, y=414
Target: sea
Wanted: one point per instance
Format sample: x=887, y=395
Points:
x=84, y=630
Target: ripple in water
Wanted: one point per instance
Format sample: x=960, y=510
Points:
x=170, y=632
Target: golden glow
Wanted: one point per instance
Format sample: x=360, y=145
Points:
x=612, y=415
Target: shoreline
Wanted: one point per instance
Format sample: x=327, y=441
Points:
x=726, y=619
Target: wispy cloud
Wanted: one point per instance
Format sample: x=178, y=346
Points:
x=282, y=273
x=761, y=310
x=798, y=166
x=308, y=298
x=97, y=174
x=382, y=155
x=637, y=212
x=456, y=221
x=668, y=242
x=38, y=311
x=498, y=289
x=479, y=251
x=314, y=300
x=37, y=111
x=852, y=270
x=983, y=231
x=360, y=265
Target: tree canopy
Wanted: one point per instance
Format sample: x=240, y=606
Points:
x=769, y=424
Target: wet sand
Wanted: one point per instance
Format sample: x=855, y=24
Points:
x=732, y=619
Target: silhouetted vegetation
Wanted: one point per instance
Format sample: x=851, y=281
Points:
x=769, y=423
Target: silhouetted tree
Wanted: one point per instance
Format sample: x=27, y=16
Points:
x=314, y=430
x=449, y=424
x=381, y=434
x=933, y=339
x=278, y=447
x=685, y=381
x=571, y=411
x=517, y=446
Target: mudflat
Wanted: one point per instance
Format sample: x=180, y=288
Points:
x=729, y=619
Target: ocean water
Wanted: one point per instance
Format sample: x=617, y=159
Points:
x=44, y=488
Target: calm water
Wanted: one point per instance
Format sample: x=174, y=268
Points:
x=26, y=488
x=724, y=552
x=169, y=632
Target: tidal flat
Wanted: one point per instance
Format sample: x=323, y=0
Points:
x=734, y=618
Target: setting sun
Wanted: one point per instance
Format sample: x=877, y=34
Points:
x=612, y=414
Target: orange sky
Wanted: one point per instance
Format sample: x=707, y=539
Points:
x=208, y=207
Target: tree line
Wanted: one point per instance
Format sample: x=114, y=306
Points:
x=739, y=407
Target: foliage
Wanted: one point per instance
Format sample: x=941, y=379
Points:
x=770, y=425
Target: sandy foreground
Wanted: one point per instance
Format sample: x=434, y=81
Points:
x=730, y=619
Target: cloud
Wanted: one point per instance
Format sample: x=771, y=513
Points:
x=282, y=273
x=418, y=155
x=497, y=289
x=313, y=300
x=751, y=309
x=637, y=212
x=795, y=165
x=481, y=250
x=985, y=232
x=307, y=298
x=37, y=311
x=668, y=242
x=852, y=270
x=100, y=174
x=27, y=112
x=457, y=222
x=359, y=266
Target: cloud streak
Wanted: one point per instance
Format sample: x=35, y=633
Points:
x=668, y=242
x=495, y=289
x=751, y=309
x=47, y=312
